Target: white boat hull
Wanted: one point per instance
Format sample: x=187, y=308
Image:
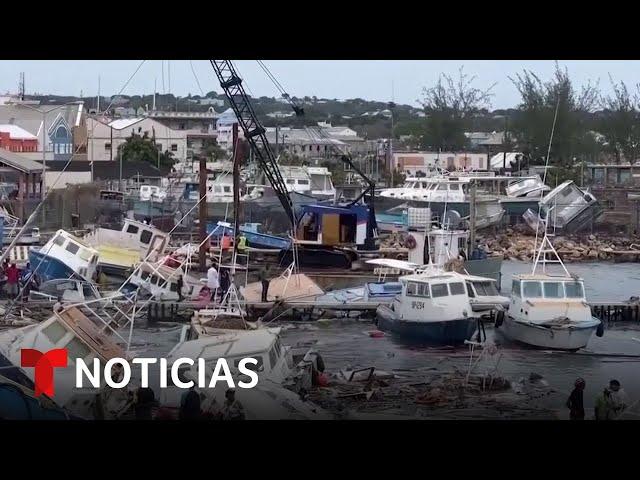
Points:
x=555, y=338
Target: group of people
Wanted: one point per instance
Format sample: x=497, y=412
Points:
x=610, y=404
x=191, y=409
x=218, y=282
x=12, y=276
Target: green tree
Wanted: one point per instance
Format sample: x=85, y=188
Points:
x=140, y=148
x=534, y=119
x=620, y=123
x=450, y=106
x=212, y=151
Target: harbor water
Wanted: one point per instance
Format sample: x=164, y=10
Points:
x=346, y=343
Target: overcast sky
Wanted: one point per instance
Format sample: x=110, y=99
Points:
x=342, y=79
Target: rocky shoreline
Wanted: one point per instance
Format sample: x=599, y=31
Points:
x=586, y=248
x=518, y=243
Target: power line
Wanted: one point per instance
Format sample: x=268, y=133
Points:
x=196, y=77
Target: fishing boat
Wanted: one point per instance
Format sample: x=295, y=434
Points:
x=72, y=330
x=64, y=256
x=276, y=362
x=566, y=209
x=546, y=310
x=121, y=250
x=160, y=280
x=433, y=305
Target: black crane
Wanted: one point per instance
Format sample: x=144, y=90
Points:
x=254, y=133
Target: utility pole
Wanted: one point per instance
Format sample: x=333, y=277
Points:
x=472, y=216
x=203, y=214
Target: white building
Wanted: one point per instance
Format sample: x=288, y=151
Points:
x=103, y=139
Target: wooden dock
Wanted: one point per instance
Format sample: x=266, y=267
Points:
x=177, y=311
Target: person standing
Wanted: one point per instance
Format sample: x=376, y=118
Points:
x=212, y=280
x=575, y=403
x=180, y=285
x=225, y=281
x=13, y=275
x=190, y=405
x=619, y=399
x=263, y=275
x=232, y=409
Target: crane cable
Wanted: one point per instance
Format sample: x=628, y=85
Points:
x=299, y=110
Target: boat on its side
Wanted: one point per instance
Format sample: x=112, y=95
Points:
x=64, y=256
x=121, y=250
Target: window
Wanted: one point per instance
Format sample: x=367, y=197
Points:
x=273, y=358
x=107, y=147
x=442, y=186
x=290, y=181
x=454, y=186
x=470, y=291
x=439, y=290
x=532, y=289
x=574, y=290
x=54, y=332
x=485, y=288
x=462, y=243
x=145, y=237
x=77, y=349
x=423, y=290
x=72, y=248
x=515, y=288
x=154, y=280
x=59, y=240
x=624, y=175
x=303, y=182
x=304, y=148
x=132, y=229
x=227, y=189
x=456, y=288
x=553, y=290
x=173, y=287
x=412, y=289
x=174, y=147
x=256, y=368
x=144, y=274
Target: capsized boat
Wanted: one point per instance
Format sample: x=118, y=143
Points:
x=64, y=256
x=121, y=250
x=160, y=280
x=549, y=311
x=74, y=331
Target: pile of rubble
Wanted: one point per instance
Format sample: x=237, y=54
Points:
x=431, y=394
x=516, y=245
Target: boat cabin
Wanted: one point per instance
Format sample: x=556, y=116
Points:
x=69, y=250
x=539, y=298
x=333, y=225
x=161, y=281
x=444, y=292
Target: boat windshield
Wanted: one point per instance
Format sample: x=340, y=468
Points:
x=574, y=289
x=485, y=288
x=532, y=289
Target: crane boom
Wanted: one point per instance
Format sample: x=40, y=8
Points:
x=254, y=132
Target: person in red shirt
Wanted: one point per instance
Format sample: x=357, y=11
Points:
x=12, y=280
